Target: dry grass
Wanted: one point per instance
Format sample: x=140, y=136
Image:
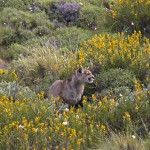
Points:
x=41, y=59
x=123, y=141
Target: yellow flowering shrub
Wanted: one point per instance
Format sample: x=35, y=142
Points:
x=128, y=15
x=115, y=51
x=35, y=122
x=9, y=85
x=9, y=75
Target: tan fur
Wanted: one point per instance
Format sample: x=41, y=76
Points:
x=71, y=90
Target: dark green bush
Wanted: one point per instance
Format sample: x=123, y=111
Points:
x=23, y=25
x=18, y=27
x=18, y=4
x=15, y=50
x=129, y=16
x=91, y=17
x=7, y=35
x=85, y=15
x=72, y=37
x=114, y=78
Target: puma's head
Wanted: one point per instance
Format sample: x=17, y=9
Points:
x=84, y=75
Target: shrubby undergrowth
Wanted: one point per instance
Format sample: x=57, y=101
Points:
x=129, y=15
x=30, y=121
x=115, y=78
x=106, y=51
x=48, y=40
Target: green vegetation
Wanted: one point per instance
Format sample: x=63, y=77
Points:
x=114, y=78
x=45, y=40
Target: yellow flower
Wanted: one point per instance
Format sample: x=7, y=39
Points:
x=102, y=128
x=1, y=71
x=62, y=134
x=147, y=3
x=138, y=98
x=37, y=119
x=42, y=93
x=112, y=102
x=113, y=13
x=35, y=129
x=127, y=116
x=109, y=51
x=24, y=121
x=79, y=141
x=99, y=103
x=136, y=108
x=14, y=74
x=93, y=97
x=79, y=132
x=84, y=100
x=41, y=124
x=105, y=98
x=147, y=79
x=89, y=106
x=147, y=65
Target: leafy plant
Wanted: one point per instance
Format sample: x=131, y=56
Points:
x=68, y=12
x=14, y=91
x=91, y=17
x=46, y=127
x=128, y=16
x=106, y=51
x=18, y=4
x=114, y=78
x=23, y=26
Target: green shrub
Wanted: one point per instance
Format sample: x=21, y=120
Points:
x=23, y=25
x=14, y=51
x=72, y=37
x=18, y=4
x=91, y=16
x=7, y=35
x=14, y=91
x=19, y=27
x=106, y=51
x=114, y=78
x=88, y=15
x=80, y=129
x=8, y=75
x=128, y=16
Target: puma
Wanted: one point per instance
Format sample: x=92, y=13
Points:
x=71, y=90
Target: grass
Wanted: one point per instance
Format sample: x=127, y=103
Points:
x=123, y=141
